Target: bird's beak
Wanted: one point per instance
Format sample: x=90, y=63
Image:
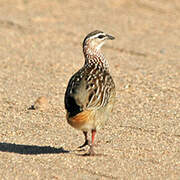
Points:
x=110, y=37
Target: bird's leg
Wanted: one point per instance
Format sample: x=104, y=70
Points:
x=86, y=140
x=91, y=150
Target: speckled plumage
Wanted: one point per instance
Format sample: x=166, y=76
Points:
x=90, y=94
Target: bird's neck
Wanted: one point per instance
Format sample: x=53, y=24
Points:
x=94, y=56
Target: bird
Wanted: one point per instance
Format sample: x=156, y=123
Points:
x=90, y=94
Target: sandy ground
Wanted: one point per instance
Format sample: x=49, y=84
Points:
x=41, y=47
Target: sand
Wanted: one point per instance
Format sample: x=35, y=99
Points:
x=41, y=47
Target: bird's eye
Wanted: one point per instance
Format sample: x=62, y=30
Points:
x=101, y=36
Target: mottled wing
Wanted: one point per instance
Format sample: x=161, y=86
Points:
x=72, y=102
x=90, y=88
x=99, y=87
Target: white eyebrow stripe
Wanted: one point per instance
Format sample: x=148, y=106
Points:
x=97, y=35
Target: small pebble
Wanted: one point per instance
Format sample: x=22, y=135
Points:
x=41, y=103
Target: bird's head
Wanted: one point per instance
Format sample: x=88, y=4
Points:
x=96, y=39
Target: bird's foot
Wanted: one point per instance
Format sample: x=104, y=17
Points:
x=85, y=144
x=91, y=152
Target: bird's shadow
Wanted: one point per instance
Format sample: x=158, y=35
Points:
x=30, y=149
